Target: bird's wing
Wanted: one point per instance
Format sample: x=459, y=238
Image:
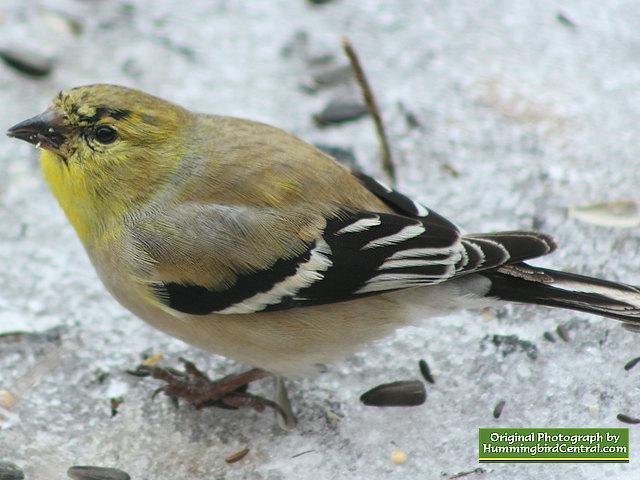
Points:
x=350, y=254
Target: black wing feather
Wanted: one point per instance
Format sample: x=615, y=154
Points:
x=198, y=300
x=362, y=253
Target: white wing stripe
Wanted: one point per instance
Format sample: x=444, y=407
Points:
x=306, y=274
x=477, y=249
x=424, y=252
x=384, y=186
x=421, y=210
x=390, y=281
x=419, y=262
x=406, y=233
x=572, y=286
x=360, y=226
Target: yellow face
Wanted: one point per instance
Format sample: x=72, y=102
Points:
x=105, y=149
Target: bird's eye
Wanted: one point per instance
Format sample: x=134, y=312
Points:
x=106, y=134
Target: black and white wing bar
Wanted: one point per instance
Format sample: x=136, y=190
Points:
x=359, y=254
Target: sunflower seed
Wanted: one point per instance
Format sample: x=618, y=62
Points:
x=333, y=76
x=632, y=363
x=566, y=21
x=425, y=371
x=627, y=419
x=337, y=112
x=617, y=213
x=96, y=473
x=10, y=471
x=404, y=393
x=61, y=22
x=563, y=332
x=497, y=410
x=28, y=63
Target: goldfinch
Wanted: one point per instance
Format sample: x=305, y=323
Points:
x=246, y=241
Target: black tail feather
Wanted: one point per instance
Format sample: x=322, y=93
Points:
x=490, y=250
x=523, y=283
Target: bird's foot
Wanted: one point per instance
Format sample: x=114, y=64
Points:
x=194, y=386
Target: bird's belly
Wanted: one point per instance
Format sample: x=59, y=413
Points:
x=288, y=342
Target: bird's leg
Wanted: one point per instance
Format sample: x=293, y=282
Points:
x=195, y=387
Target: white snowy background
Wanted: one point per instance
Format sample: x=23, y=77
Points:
x=524, y=109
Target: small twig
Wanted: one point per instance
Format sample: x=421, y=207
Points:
x=478, y=470
x=367, y=93
x=303, y=453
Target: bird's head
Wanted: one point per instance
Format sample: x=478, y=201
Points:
x=105, y=147
x=102, y=124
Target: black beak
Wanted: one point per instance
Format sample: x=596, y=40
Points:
x=46, y=130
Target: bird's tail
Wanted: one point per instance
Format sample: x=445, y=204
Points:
x=526, y=284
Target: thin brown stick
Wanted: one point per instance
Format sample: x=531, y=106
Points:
x=367, y=93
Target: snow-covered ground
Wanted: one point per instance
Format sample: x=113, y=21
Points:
x=501, y=115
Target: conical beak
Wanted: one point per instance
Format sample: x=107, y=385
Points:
x=47, y=130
